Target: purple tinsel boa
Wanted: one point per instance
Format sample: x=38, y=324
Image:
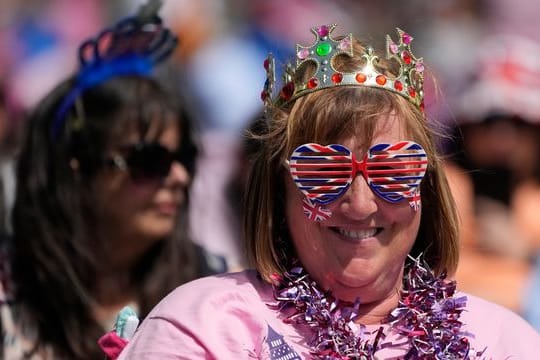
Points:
x=427, y=317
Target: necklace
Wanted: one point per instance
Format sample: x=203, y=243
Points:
x=427, y=318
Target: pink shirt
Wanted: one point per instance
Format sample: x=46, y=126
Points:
x=227, y=317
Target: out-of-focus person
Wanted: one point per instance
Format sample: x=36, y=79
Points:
x=492, y=169
x=100, y=215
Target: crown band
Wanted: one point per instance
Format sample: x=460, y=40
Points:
x=408, y=83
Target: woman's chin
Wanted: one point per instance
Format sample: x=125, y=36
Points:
x=158, y=227
x=347, y=287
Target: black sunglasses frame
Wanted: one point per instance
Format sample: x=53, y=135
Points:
x=146, y=161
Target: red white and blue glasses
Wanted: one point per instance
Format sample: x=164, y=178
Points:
x=324, y=173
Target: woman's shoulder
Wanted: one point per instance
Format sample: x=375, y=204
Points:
x=242, y=281
x=216, y=291
x=226, y=316
x=478, y=309
x=498, y=329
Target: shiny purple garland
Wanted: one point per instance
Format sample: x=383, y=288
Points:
x=427, y=315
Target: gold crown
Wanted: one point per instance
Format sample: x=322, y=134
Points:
x=408, y=83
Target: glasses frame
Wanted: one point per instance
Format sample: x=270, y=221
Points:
x=140, y=162
x=326, y=186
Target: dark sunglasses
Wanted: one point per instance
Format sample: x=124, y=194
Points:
x=146, y=161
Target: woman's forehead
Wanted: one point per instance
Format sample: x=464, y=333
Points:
x=166, y=125
x=363, y=131
x=156, y=128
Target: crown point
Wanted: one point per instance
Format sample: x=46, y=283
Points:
x=302, y=53
x=345, y=44
x=393, y=48
x=337, y=78
x=323, y=30
x=407, y=39
x=380, y=79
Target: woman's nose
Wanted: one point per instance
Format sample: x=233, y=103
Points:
x=178, y=175
x=359, y=202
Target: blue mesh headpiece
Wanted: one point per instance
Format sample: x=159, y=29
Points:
x=131, y=47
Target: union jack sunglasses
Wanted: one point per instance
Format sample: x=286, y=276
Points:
x=392, y=171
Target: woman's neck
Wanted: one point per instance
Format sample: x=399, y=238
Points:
x=377, y=312
x=113, y=287
x=112, y=291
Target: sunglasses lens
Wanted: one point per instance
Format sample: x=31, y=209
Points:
x=322, y=173
x=396, y=170
x=149, y=161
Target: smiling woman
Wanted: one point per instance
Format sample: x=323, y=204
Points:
x=350, y=226
x=100, y=217
x=351, y=252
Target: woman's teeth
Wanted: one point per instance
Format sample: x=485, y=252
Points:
x=358, y=234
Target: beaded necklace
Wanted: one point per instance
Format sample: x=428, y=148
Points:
x=427, y=317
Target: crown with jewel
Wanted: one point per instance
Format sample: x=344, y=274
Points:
x=408, y=83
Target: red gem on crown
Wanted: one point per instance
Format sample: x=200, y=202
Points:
x=361, y=78
x=312, y=83
x=337, y=77
x=287, y=91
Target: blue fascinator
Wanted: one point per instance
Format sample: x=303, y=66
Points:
x=131, y=47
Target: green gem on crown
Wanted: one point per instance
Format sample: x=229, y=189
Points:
x=323, y=49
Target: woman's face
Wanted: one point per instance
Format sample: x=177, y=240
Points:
x=360, y=251
x=134, y=214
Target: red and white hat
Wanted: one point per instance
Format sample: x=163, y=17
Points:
x=507, y=81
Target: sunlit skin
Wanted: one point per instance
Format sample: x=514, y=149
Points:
x=134, y=215
x=360, y=251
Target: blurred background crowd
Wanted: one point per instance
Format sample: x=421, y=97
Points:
x=484, y=93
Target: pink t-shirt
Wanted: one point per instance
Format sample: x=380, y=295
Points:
x=227, y=317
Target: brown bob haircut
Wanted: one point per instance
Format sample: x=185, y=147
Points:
x=325, y=117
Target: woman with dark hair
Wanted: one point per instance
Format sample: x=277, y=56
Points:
x=102, y=191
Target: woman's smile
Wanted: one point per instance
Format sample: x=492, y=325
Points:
x=356, y=235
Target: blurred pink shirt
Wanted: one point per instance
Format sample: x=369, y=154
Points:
x=227, y=317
